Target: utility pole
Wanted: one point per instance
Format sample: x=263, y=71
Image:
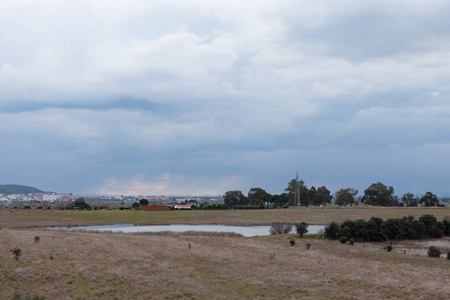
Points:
x=297, y=192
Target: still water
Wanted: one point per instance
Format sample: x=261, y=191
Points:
x=244, y=230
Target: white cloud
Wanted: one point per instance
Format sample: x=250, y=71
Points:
x=182, y=87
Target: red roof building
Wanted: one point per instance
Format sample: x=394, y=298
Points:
x=154, y=207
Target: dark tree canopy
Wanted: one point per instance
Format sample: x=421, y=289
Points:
x=409, y=199
x=280, y=199
x=232, y=198
x=323, y=196
x=379, y=195
x=143, y=202
x=291, y=192
x=80, y=203
x=257, y=196
x=429, y=199
x=345, y=196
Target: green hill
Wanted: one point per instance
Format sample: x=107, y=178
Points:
x=9, y=189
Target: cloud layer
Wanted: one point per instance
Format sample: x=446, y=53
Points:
x=110, y=97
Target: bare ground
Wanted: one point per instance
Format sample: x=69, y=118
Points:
x=80, y=265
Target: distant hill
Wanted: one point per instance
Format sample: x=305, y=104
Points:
x=9, y=189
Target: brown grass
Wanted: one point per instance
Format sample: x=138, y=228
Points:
x=318, y=216
x=128, y=266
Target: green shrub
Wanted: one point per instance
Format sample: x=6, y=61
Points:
x=36, y=239
x=301, y=228
x=352, y=242
x=434, y=251
x=389, y=248
x=343, y=240
x=332, y=231
x=292, y=242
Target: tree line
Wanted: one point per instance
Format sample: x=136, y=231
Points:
x=377, y=194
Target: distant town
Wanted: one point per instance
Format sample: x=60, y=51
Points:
x=62, y=200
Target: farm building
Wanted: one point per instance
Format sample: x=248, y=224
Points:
x=154, y=207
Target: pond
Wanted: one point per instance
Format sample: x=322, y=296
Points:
x=247, y=231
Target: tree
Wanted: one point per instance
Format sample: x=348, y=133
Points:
x=429, y=199
x=410, y=200
x=135, y=205
x=345, y=196
x=378, y=194
x=323, y=195
x=257, y=196
x=301, y=228
x=280, y=199
x=143, y=202
x=292, y=185
x=312, y=196
x=232, y=198
x=280, y=228
x=79, y=203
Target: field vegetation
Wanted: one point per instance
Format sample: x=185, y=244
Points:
x=20, y=218
x=56, y=264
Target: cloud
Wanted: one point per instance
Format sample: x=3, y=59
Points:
x=238, y=89
x=166, y=184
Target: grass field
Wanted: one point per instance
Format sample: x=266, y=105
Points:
x=315, y=216
x=85, y=265
x=74, y=265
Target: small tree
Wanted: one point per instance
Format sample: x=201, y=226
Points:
x=301, y=228
x=280, y=228
x=143, y=202
x=135, y=205
x=434, y=251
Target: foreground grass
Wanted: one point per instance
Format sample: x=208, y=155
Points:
x=80, y=265
x=319, y=216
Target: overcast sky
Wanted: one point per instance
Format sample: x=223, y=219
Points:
x=199, y=97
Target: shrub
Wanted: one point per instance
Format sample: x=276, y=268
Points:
x=434, y=251
x=301, y=228
x=17, y=253
x=332, y=231
x=389, y=248
x=280, y=228
x=448, y=255
x=36, y=239
x=343, y=240
x=352, y=242
x=308, y=246
x=292, y=242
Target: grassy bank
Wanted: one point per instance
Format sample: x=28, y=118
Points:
x=43, y=218
x=80, y=265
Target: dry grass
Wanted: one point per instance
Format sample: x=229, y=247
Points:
x=318, y=216
x=123, y=266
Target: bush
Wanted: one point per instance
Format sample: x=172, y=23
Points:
x=332, y=231
x=292, y=242
x=280, y=228
x=434, y=251
x=352, y=242
x=389, y=248
x=17, y=253
x=301, y=228
x=448, y=255
x=343, y=240
x=36, y=239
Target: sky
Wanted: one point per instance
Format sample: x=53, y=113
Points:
x=200, y=97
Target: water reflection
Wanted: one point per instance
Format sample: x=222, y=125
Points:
x=247, y=231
